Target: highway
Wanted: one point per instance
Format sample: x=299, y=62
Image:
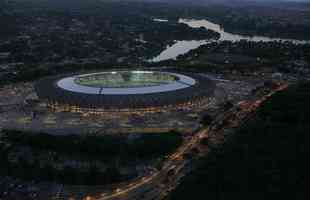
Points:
x=158, y=184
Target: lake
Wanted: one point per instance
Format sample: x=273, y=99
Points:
x=183, y=47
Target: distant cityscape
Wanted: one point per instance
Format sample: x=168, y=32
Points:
x=154, y=100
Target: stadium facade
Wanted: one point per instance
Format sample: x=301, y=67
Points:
x=128, y=91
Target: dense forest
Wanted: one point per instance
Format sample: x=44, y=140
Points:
x=52, y=158
x=100, y=147
x=266, y=159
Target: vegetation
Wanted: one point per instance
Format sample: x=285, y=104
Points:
x=266, y=159
x=145, y=146
x=285, y=20
x=116, y=31
x=206, y=119
x=68, y=175
x=74, y=159
x=245, y=56
x=125, y=79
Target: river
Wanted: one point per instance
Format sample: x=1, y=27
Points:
x=182, y=47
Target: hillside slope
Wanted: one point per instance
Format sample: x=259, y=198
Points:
x=266, y=159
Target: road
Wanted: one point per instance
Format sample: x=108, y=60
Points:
x=158, y=184
x=176, y=162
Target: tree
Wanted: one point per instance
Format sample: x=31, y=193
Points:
x=206, y=119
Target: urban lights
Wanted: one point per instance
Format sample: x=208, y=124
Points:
x=125, y=91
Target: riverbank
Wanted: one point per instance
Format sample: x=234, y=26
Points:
x=181, y=47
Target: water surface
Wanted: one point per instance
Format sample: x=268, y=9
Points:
x=183, y=47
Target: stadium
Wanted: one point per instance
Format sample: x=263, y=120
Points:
x=126, y=90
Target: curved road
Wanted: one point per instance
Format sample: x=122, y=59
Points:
x=176, y=162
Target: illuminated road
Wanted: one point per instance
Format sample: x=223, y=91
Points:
x=155, y=186
x=176, y=160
